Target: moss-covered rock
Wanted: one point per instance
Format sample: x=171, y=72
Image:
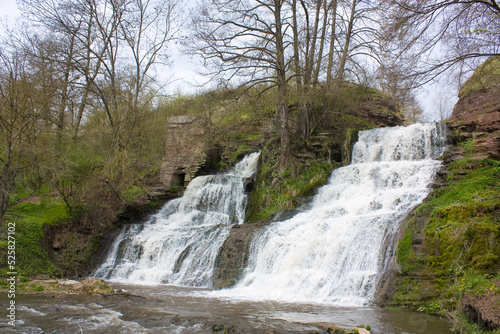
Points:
x=87, y=286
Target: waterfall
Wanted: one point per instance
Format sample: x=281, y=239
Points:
x=337, y=250
x=179, y=244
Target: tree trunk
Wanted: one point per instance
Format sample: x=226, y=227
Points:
x=321, y=45
x=312, y=49
x=296, y=54
x=285, y=152
x=6, y=182
x=332, y=44
x=345, y=51
x=302, y=126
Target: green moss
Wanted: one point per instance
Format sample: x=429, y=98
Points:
x=404, y=252
x=460, y=253
x=461, y=230
x=287, y=188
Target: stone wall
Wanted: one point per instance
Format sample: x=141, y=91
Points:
x=186, y=151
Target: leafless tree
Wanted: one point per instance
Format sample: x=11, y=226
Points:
x=248, y=40
x=447, y=34
x=442, y=106
x=111, y=46
x=393, y=80
x=360, y=28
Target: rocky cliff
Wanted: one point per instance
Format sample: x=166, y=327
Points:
x=477, y=113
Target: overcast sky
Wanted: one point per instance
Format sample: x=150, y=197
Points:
x=9, y=11
x=186, y=79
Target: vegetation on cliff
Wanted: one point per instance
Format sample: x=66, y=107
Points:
x=485, y=77
x=449, y=253
x=451, y=244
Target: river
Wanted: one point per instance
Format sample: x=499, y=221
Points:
x=173, y=309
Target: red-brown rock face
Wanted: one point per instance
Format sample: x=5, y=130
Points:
x=477, y=116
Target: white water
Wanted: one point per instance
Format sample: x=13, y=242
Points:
x=180, y=243
x=337, y=251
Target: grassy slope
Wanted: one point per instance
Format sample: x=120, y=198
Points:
x=29, y=220
x=487, y=75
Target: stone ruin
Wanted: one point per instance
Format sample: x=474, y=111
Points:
x=187, y=149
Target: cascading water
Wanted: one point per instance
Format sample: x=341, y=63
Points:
x=337, y=251
x=179, y=244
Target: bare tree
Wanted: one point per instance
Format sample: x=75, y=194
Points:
x=308, y=76
x=446, y=34
x=111, y=48
x=147, y=29
x=442, y=106
x=361, y=42
x=393, y=80
x=247, y=40
x=331, y=52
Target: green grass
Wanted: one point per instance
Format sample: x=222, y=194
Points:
x=132, y=193
x=23, y=190
x=30, y=219
x=477, y=284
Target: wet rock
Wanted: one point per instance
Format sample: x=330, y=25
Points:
x=93, y=286
x=87, y=286
x=363, y=331
x=249, y=184
x=67, y=282
x=328, y=327
x=232, y=256
x=218, y=327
